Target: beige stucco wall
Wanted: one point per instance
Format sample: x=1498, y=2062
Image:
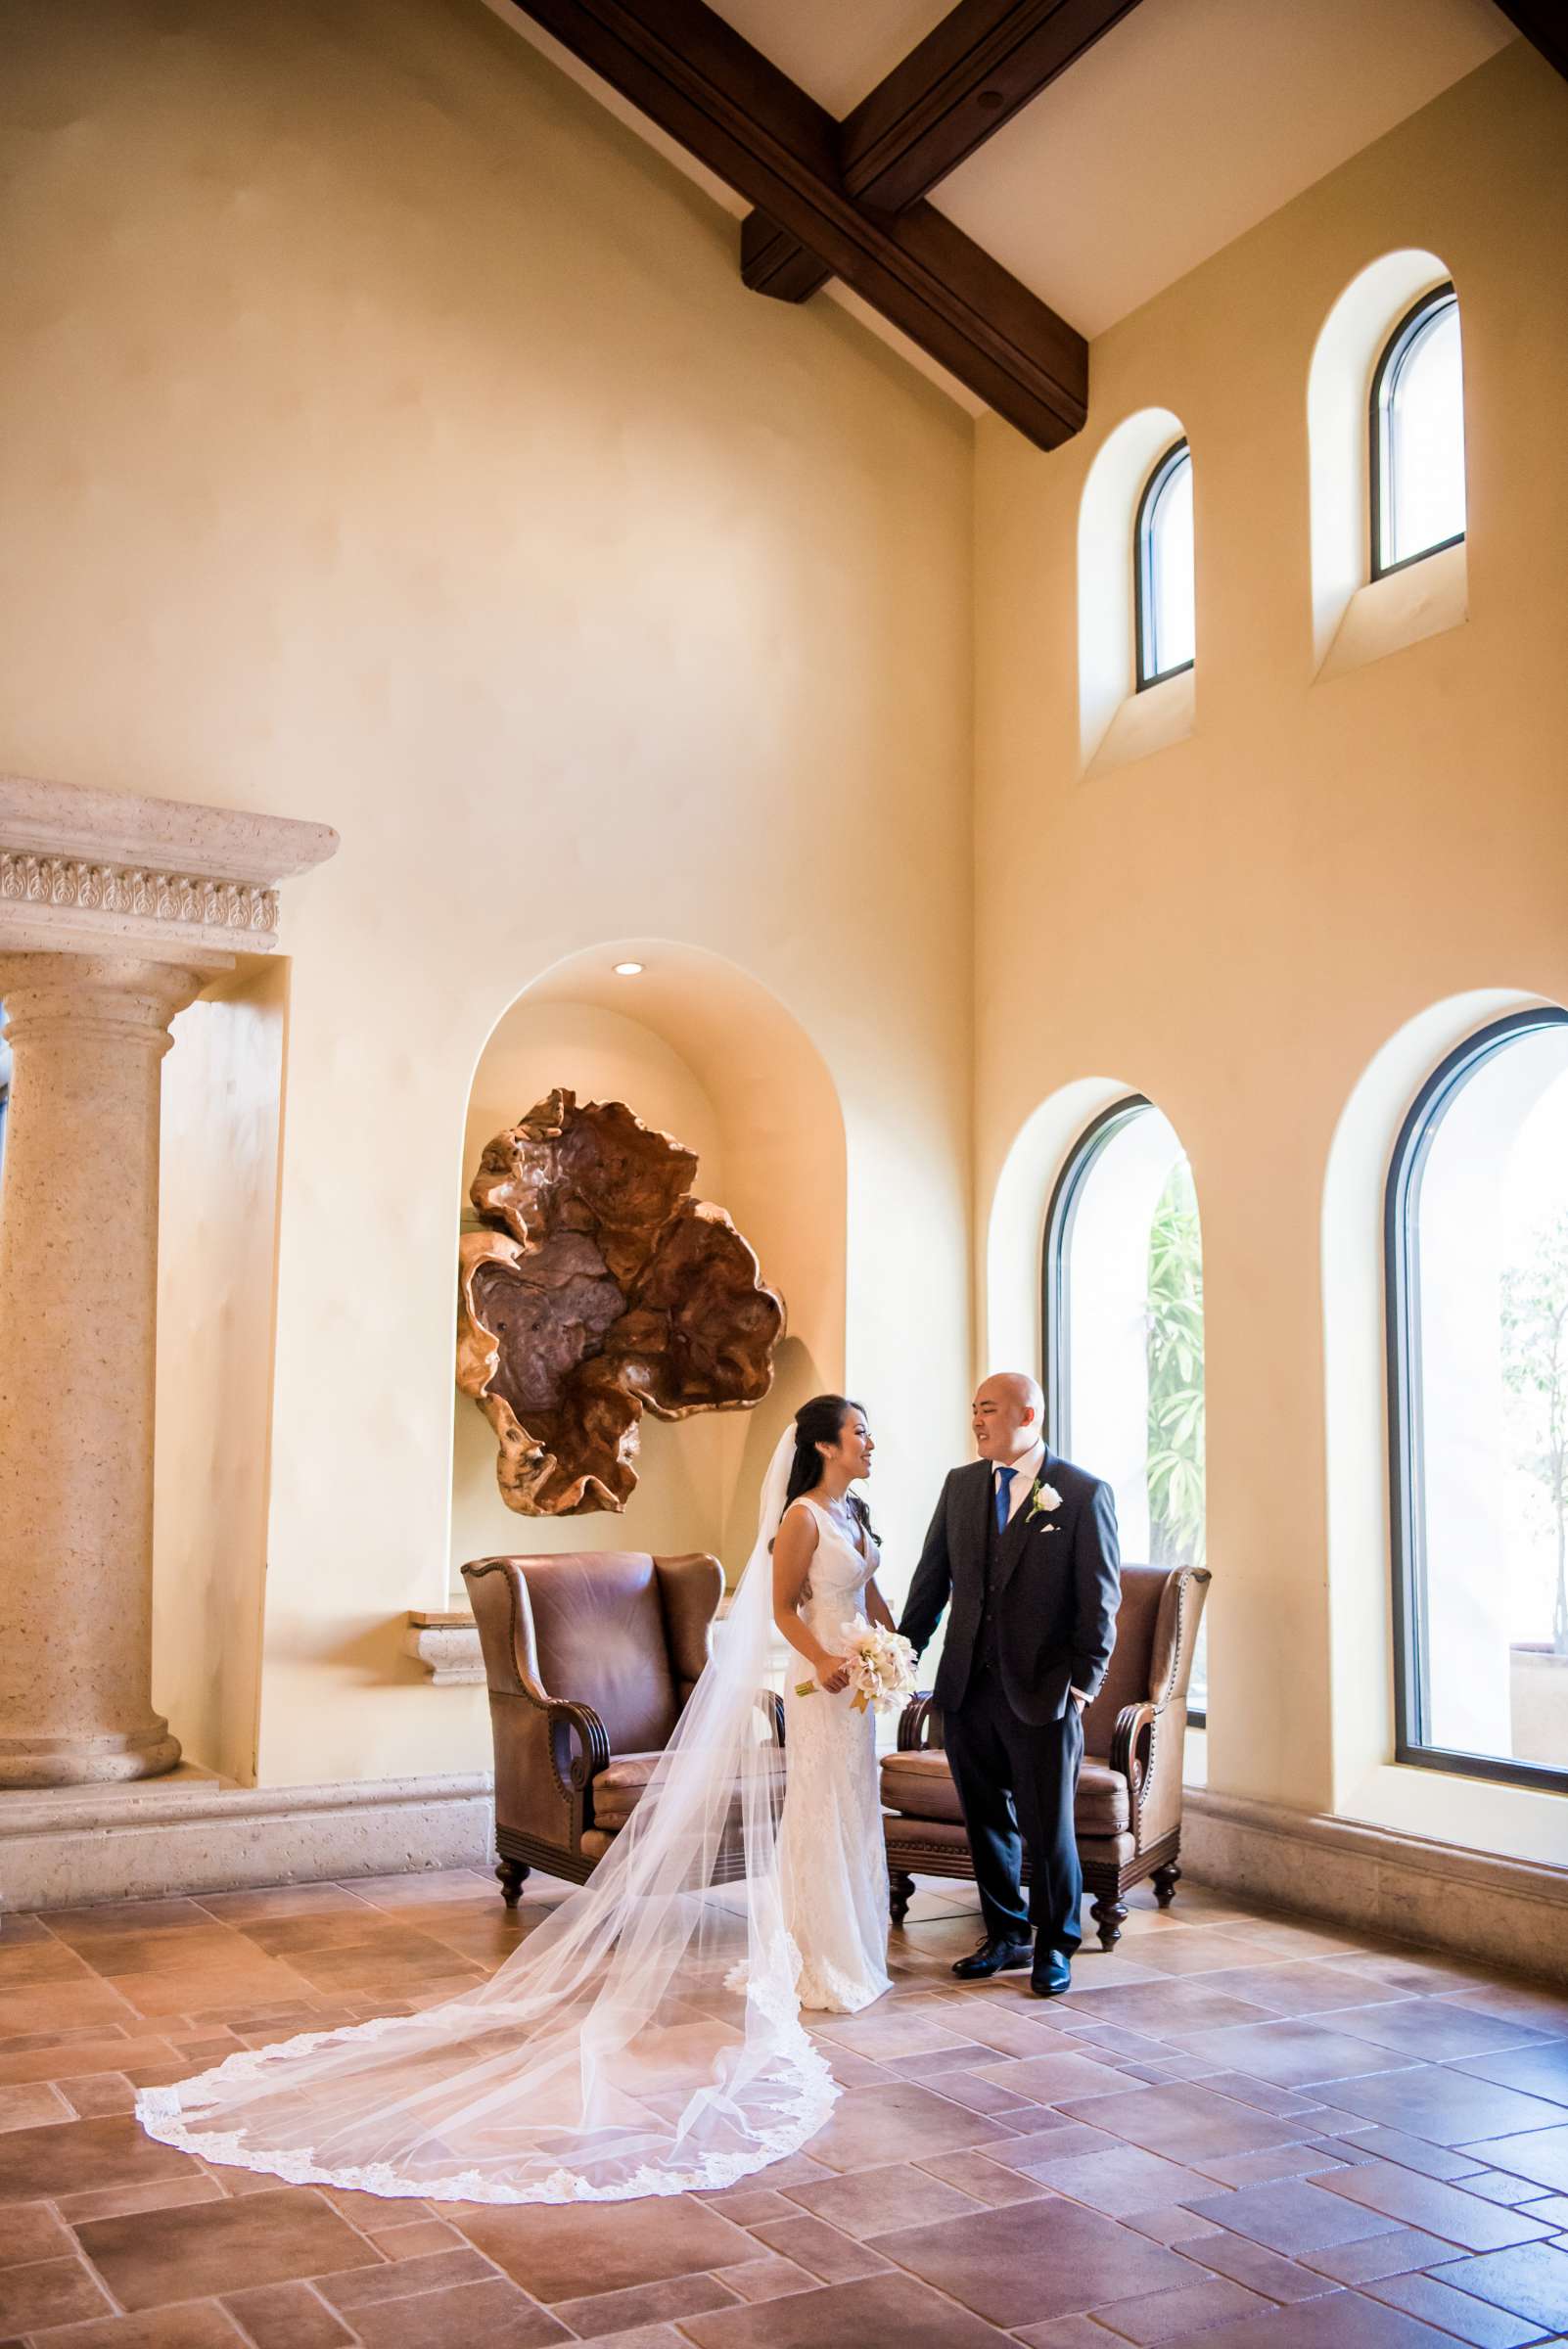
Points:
x=1235, y=924
x=385, y=438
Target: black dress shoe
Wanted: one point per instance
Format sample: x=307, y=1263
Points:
x=1051, y=1974
x=992, y=1957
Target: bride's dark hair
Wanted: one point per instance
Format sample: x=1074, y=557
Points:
x=821, y=1421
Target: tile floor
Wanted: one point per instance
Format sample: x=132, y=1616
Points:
x=1237, y=2129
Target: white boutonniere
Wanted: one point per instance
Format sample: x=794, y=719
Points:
x=1042, y=1500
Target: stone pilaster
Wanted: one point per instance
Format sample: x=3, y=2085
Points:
x=78, y=1289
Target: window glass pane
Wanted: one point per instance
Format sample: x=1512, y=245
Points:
x=1425, y=426
x=1132, y=1404
x=1491, y=1268
x=1171, y=571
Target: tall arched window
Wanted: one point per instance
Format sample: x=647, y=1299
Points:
x=1477, y=1258
x=1123, y=1334
x=1417, y=429
x=1162, y=557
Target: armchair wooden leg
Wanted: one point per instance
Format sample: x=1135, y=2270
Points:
x=510, y=1875
x=1108, y=1915
x=901, y=1892
x=1166, y=1881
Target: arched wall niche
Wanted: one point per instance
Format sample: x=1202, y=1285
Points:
x=1355, y=618
x=1116, y=722
x=697, y=1047
x=1367, y=1784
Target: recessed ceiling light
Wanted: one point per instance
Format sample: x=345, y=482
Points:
x=628, y=970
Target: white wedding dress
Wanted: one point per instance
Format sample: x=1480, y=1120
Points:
x=831, y=1856
x=646, y=2037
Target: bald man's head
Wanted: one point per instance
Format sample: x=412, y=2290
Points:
x=1008, y=1415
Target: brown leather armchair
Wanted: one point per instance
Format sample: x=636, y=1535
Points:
x=590, y=1658
x=1129, y=1814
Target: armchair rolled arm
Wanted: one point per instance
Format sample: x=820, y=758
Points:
x=920, y=1726
x=1130, y=1745
x=575, y=1768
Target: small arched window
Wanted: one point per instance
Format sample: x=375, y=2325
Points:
x=1417, y=427
x=1477, y=1257
x=1162, y=560
x=1123, y=1336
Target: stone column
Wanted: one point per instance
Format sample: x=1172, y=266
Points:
x=79, y=1292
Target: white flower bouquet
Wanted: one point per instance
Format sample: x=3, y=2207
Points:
x=882, y=1668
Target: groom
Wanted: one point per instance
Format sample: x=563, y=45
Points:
x=1025, y=1546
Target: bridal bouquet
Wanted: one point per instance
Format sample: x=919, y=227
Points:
x=882, y=1668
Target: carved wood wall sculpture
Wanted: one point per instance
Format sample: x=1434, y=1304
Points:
x=600, y=1289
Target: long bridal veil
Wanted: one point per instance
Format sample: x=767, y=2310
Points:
x=645, y=2039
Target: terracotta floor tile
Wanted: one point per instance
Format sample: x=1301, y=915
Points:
x=1553, y=2209
x=1300, y=1987
x=653, y=2303
x=1294, y=2051
x=1204, y=1954
x=412, y=2238
x=1438, y=2209
x=1262, y=2271
x=1121, y=2182
x=358, y=2287
x=1063, y=2140
x=188, y=2184
x=868, y=2122
x=1394, y=2144
x=867, y=2202
x=768, y=2278
x=1163, y=2008
x=1056, y=2077
x=32, y=2106
x=1379, y=2255
x=1170, y=2222
x=978, y=2092
x=1434, y=2030
x=1039, y=2259
x=1539, y=2152
x=811, y=2244
x=1065, y=2332
x=287, y=2316
x=30, y=2231
x=47, y=2006
x=1176, y=2315
x=78, y=1929
x=39, y=2293
x=985, y=2181
x=554, y=2251
x=1267, y=2095
x=194, y=1950
x=1294, y=2216
x=415, y=1891
x=1548, y=2008
x=96, y=2092
x=71, y=2156
x=470, y=2316
x=1468, y=2320
x=205, y=2248
x=1449, y=2108
x=1530, y=2280
x=25, y=1962
x=1341, y=2320
x=1272, y=2162
x=1184, y=2122
x=1540, y=2070
x=881, y=2312
x=1496, y=2185
x=197, y=2325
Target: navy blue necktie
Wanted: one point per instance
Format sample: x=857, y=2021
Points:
x=1004, y=1483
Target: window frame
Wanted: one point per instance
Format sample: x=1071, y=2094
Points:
x=1401, y=1284
x=1385, y=384
x=1144, y=633
x=1056, y=1290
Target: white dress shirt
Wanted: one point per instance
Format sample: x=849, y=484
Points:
x=1026, y=1469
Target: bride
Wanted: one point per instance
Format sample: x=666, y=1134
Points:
x=646, y=2037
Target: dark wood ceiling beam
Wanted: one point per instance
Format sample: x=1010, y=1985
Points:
x=970, y=75
x=693, y=75
x=1544, y=25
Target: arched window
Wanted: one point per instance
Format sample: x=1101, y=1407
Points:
x=1417, y=427
x=1162, y=556
x=1477, y=1258
x=1123, y=1334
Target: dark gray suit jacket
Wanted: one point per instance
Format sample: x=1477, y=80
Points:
x=1058, y=1585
